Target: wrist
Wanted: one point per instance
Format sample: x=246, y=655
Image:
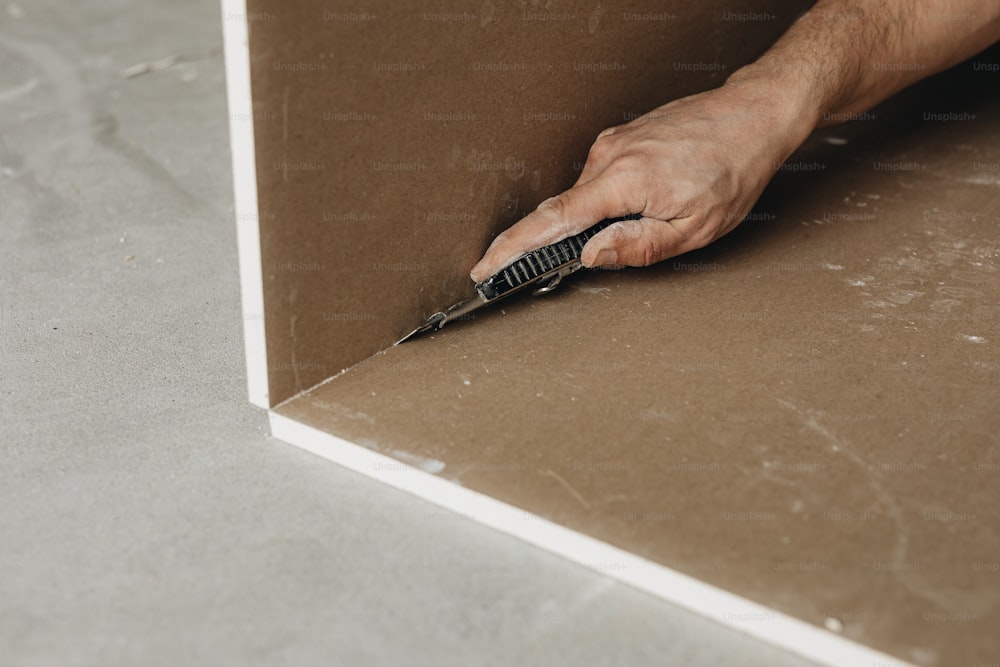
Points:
x=787, y=100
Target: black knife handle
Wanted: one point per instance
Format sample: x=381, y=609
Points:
x=537, y=265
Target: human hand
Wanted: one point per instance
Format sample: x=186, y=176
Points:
x=692, y=168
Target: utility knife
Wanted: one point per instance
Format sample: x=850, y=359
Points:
x=540, y=270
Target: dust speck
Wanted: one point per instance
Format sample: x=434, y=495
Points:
x=833, y=624
x=430, y=465
x=903, y=297
x=486, y=13
x=972, y=339
x=982, y=179
x=924, y=656
x=595, y=19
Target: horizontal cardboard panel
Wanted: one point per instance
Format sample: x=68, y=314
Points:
x=804, y=414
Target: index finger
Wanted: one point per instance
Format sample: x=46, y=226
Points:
x=571, y=212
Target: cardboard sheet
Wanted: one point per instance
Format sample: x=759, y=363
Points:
x=804, y=414
x=394, y=141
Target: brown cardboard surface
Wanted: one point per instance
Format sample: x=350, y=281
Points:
x=394, y=140
x=804, y=414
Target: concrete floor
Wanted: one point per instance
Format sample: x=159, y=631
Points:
x=146, y=514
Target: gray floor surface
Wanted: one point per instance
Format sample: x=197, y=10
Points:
x=146, y=515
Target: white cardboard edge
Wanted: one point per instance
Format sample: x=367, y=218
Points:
x=776, y=628
x=235, y=35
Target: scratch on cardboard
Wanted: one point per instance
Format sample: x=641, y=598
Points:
x=566, y=485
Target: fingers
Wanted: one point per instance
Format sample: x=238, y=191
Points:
x=641, y=242
x=573, y=211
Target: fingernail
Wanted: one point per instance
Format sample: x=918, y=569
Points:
x=605, y=256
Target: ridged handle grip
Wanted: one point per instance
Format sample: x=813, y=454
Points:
x=536, y=265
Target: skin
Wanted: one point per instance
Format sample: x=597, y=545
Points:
x=694, y=168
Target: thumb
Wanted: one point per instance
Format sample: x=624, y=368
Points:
x=575, y=210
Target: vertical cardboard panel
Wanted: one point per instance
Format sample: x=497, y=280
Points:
x=394, y=142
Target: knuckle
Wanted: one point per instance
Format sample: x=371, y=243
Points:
x=553, y=208
x=605, y=143
x=607, y=133
x=598, y=152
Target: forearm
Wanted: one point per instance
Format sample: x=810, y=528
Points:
x=845, y=56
